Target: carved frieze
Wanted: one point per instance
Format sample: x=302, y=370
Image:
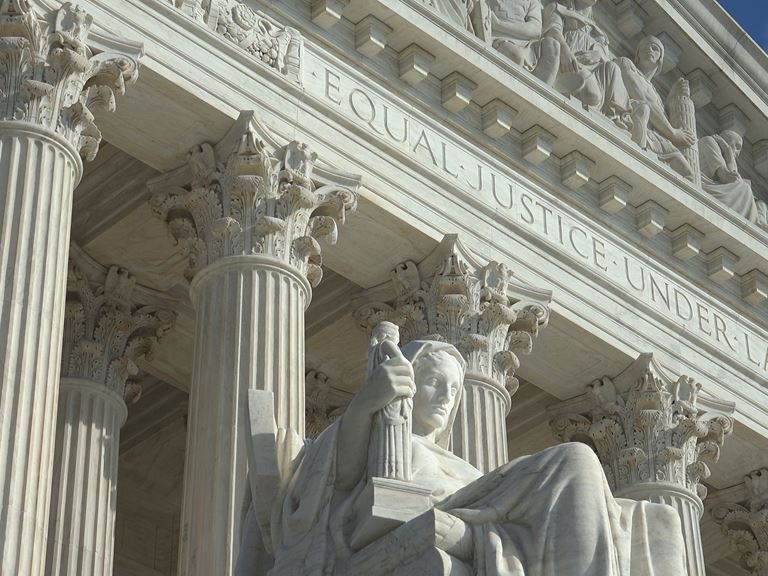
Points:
x=244, y=196
x=647, y=427
x=276, y=46
x=105, y=330
x=51, y=78
x=481, y=309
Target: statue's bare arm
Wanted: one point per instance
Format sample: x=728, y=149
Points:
x=392, y=379
x=526, y=30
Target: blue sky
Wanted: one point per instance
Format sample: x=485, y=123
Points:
x=752, y=16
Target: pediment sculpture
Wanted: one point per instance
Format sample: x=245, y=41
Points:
x=379, y=492
x=718, y=155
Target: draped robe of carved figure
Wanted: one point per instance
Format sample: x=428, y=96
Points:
x=718, y=156
x=516, y=32
x=549, y=514
x=651, y=126
x=586, y=67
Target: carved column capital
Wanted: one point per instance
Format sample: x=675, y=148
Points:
x=480, y=309
x=247, y=196
x=647, y=427
x=106, y=331
x=742, y=513
x=50, y=77
x=324, y=402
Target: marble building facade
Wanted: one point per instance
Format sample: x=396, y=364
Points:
x=211, y=205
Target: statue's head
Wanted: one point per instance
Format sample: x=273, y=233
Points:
x=438, y=370
x=734, y=140
x=649, y=56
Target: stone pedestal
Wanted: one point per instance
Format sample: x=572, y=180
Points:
x=248, y=214
x=105, y=333
x=653, y=436
x=482, y=311
x=45, y=124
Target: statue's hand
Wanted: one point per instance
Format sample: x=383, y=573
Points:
x=589, y=57
x=391, y=379
x=683, y=138
x=570, y=62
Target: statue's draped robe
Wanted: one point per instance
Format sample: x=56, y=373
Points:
x=714, y=154
x=549, y=514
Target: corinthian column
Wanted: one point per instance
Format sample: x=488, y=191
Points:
x=484, y=313
x=654, y=436
x=742, y=513
x=249, y=215
x=49, y=83
x=105, y=334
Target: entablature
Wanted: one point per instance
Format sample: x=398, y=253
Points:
x=441, y=199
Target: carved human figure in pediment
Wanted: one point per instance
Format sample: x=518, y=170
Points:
x=516, y=30
x=587, y=70
x=720, y=175
x=548, y=514
x=651, y=126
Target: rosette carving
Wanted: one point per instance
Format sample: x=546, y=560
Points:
x=246, y=197
x=745, y=521
x=50, y=77
x=481, y=309
x=647, y=427
x=105, y=331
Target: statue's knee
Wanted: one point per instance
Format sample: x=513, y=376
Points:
x=578, y=455
x=641, y=112
x=550, y=47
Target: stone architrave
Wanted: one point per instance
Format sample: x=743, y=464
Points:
x=654, y=436
x=248, y=212
x=742, y=513
x=105, y=333
x=50, y=84
x=487, y=315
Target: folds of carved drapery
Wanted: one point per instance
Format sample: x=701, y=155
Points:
x=110, y=323
x=486, y=314
x=742, y=513
x=654, y=436
x=248, y=212
x=50, y=83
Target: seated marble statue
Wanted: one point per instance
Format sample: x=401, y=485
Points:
x=516, y=29
x=549, y=514
x=587, y=69
x=651, y=126
x=720, y=176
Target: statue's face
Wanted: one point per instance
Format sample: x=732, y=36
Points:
x=734, y=141
x=650, y=53
x=438, y=379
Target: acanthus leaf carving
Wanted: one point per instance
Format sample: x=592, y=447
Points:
x=51, y=78
x=106, y=332
x=646, y=427
x=742, y=513
x=246, y=197
x=480, y=309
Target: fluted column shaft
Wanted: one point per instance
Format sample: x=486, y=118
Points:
x=84, y=496
x=249, y=335
x=690, y=509
x=38, y=172
x=480, y=431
